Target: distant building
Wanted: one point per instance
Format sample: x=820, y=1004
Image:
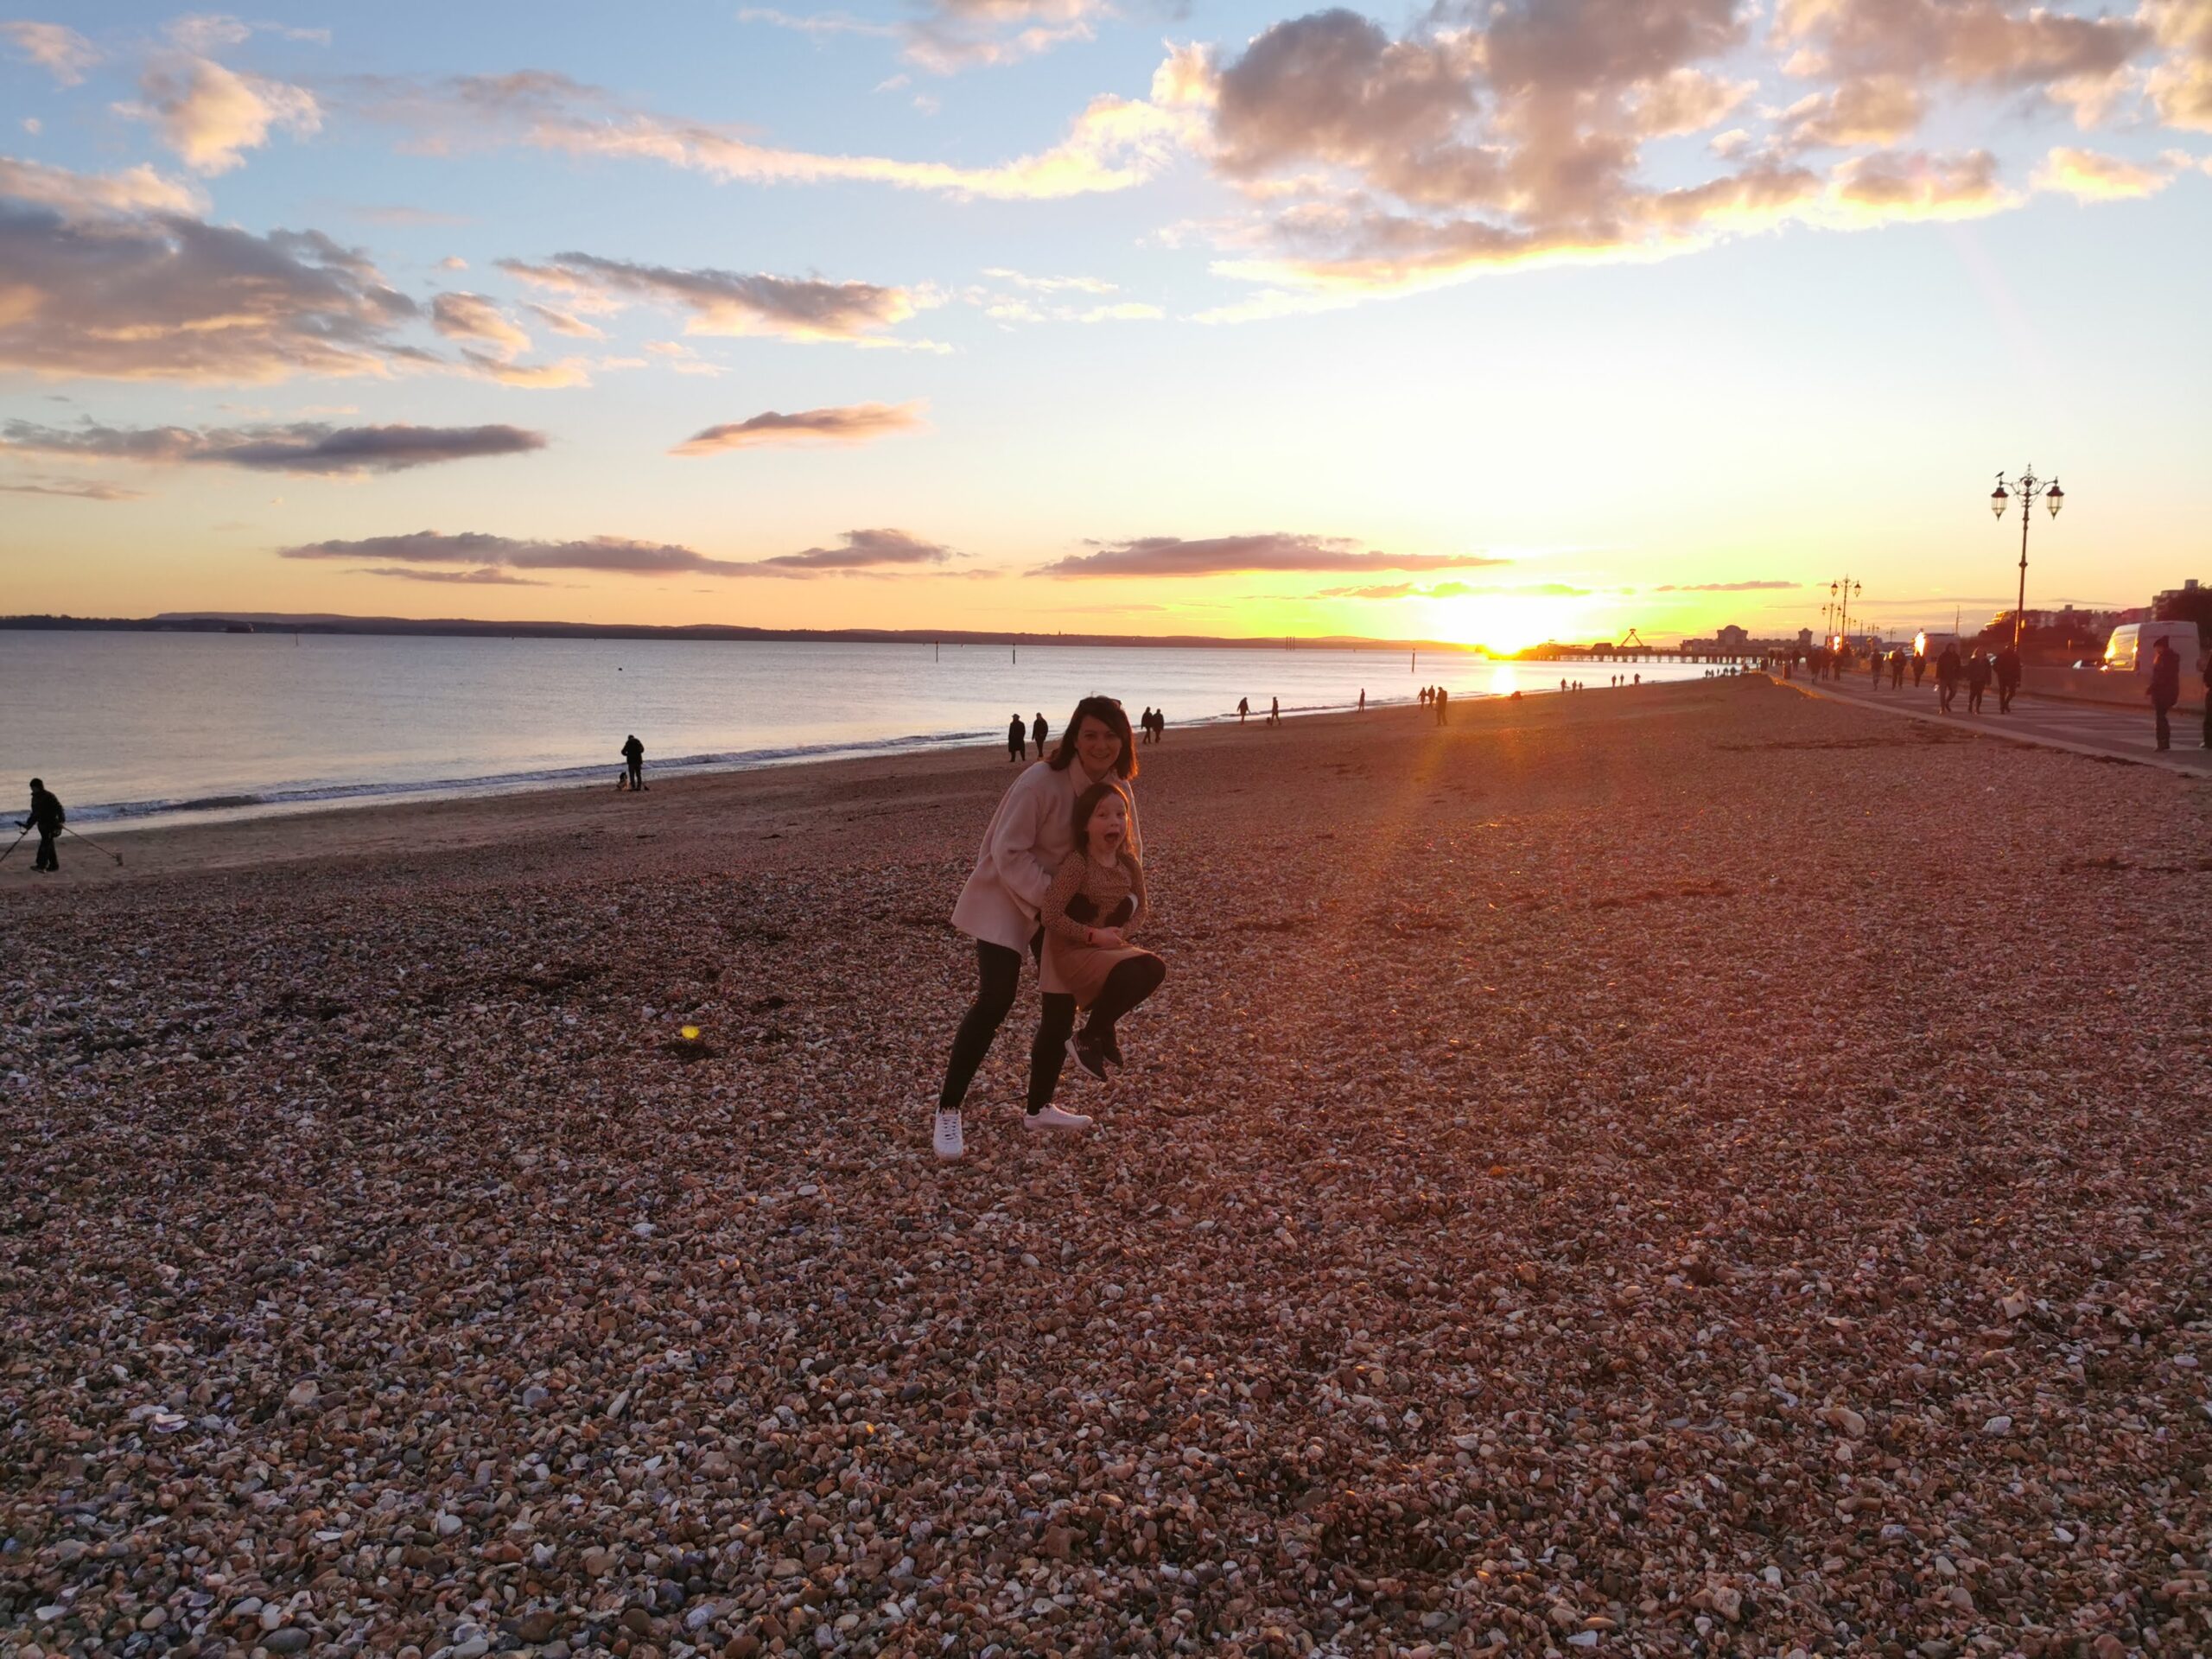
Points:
x=1732, y=638
x=2191, y=602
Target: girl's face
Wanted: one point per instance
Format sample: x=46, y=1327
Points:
x=1108, y=826
x=1097, y=744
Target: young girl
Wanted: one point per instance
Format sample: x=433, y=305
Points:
x=1096, y=900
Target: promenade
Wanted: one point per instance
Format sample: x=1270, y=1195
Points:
x=2106, y=730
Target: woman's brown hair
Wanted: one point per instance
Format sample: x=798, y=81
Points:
x=1110, y=713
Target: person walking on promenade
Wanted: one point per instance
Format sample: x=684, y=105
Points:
x=1094, y=905
x=2008, y=678
x=1038, y=731
x=2165, y=689
x=1919, y=668
x=1947, y=677
x=1443, y=704
x=1977, y=680
x=633, y=757
x=1017, y=740
x=1874, y=668
x=47, y=817
x=1000, y=907
x=1896, y=668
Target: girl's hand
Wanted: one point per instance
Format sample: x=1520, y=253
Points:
x=1108, y=938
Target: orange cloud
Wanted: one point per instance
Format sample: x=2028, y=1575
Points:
x=61, y=51
x=2087, y=176
x=210, y=115
x=849, y=424
x=726, y=302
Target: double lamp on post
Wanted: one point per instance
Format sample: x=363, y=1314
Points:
x=2027, y=486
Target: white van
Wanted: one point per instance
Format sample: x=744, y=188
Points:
x=2134, y=644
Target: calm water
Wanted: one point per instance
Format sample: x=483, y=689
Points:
x=136, y=725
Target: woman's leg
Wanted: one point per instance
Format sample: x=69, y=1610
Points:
x=1050, y=1052
x=1128, y=984
x=998, y=974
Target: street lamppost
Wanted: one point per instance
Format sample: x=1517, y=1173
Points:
x=1840, y=594
x=2027, y=486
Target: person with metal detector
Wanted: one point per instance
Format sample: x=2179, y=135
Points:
x=48, y=818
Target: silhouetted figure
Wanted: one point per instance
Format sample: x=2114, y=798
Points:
x=1144, y=724
x=1443, y=704
x=47, y=818
x=1897, y=669
x=1159, y=725
x=633, y=757
x=1947, y=677
x=1874, y=668
x=1038, y=731
x=1275, y=711
x=2164, y=689
x=1243, y=707
x=1017, y=740
x=2008, y=678
x=1977, y=681
x=1362, y=700
x=1919, y=668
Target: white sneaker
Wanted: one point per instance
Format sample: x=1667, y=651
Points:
x=1053, y=1118
x=946, y=1138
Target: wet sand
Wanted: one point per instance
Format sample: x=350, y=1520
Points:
x=1693, y=1169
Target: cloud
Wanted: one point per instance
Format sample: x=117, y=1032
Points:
x=1893, y=185
x=1978, y=43
x=535, y=377
x=480, y=578
x=77, y=195
x=727, y=302
x=955, y=35
x=164, y=295
x=300, y=447
x=471, y=316
x=1458, y=590
x=61, y=51
x=2087, y=176
x=1725, y=587
x=209, y=115
x=847, y=423
x=1050, y=284
x=82, y=492
x=2181, y=85
x=858, y=551
x=560, y=323
x=820, y=25
x=1171, y=555
x=1113, y=145
x=1873, y=110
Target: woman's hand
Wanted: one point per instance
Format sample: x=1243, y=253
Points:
x=1108, y=938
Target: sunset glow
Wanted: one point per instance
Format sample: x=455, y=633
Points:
x=1545, y=320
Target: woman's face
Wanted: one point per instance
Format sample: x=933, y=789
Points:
x=1109, y=827
x=1097, y=744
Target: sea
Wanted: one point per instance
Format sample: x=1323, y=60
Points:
x=164, y=727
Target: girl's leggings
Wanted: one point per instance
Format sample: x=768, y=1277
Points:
x=998, y=972
x=1128, y=984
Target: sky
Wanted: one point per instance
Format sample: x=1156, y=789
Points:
x=1494, y=322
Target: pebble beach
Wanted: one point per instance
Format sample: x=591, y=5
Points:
x=1686, y=1170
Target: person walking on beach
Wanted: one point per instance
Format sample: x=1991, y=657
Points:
x=1000, y=907
x=47, y=818
x=1160, y=725
x=1244, y=709
x=1144, y=724
x=1443, y=703
x=1275, y=711
x=1362, y=700
x=1947, y=677
x=2164, y=689
x=2008, y=678
x=1017, y=740
x=1094, y=905
x=633, y=757
x=1038, y=731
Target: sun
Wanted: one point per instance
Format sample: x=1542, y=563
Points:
x=1504, y=623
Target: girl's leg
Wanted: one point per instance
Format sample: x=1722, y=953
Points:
x=1128, y=984
x=998, y=974
x=1050, y=1052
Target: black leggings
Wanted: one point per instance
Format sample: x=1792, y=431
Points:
x=1128, y=984
x=998, y=977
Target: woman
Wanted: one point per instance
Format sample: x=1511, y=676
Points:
x=1029, y=837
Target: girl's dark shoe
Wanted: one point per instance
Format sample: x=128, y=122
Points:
x=1087, y=1057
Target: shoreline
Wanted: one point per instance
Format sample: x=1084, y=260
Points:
x=769, y=798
